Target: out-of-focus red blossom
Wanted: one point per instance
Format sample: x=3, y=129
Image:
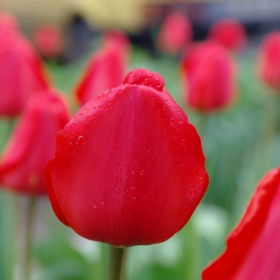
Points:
x=129, y=167
x=230, y=33
x=48, y=39
x=8, y=26
x=32, y=144
x=253, y=248
x=175, y=33
x=106, y=68
x=119, y=40
x=269, y=60
x=208, y=77
x=21, y=74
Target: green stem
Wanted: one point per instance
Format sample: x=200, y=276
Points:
x=115, y=263
x=28, y=237
x=192, y=252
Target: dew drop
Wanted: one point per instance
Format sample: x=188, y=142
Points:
x=142, y=172
x=172, y=121
x=106, y=91
x=200, y=180
x=191, y=191
x=81, y=139
x=117, y=190
x=72, y=134
x=118, y=169
x=186, y=207
x=132, y=188
x=183, y=142
x=133, y=199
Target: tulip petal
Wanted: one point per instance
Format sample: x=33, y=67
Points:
x=52, y=196
x=253, y=247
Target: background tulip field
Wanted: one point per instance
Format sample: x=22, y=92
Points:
x=240, y=142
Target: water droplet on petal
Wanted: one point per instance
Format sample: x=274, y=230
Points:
x=172, y=121
x=117, y=190
x=142, y=172
x=81, y=139
x=191, y=191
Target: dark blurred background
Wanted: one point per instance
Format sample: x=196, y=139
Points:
x=81, y=20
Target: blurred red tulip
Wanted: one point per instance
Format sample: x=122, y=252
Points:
x=269, y=60
x=106, y=68
x=48, y=39
x=253, y=247
x=32, y=144
x=230, y=33
x=8, y=26
x=209, y=77
x=129, y=167
x=21, y=75
x=175, y=33
x=119, y=40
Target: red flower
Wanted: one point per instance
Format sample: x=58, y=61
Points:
x=106, y=68
x=8, y=26
x=253, y=247
x=128, y=168
x=175, y=33
x=209, y=77
x=32, y=144
x=48, y=39
x=269, y=60
x=230, y=33
x=21, y=74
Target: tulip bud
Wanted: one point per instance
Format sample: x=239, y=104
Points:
x=106, y=68
x=129, y=167
x=175, y=33
x=208, y=77
x=269, y=60
x=48, y=40
x=21, y=75
x=32, y=144
x=230, y=33
x=8, y=26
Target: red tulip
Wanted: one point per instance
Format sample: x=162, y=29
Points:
x=253, y=248
x=8, y=26
x=48, y=39
x=32, y=144
x=119, y=40
x=175, y=33
x=230, y=33
x=129, y=167
x=106, y=68
x=209, y=77
x=269, y=60
x=21, y=75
